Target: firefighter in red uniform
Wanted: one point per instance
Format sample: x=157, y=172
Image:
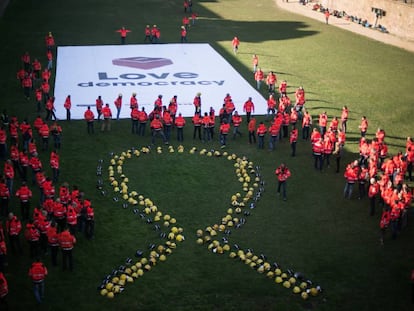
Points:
x=224, y=130
x=157, y=130
x=107, y=115
x=55, y=165
x=236, y=121
x=235, y=44
x=67, y=242
x=123, y=32
x=118, y=105
x=147, y=32
x=258, y=77
x=89, y=118
x=27, y=85
x=183, y=33
x=197, y=103
x=4, y=198
x=53, y=242
x=251, y=127
x=4, y=290
x=90, y=220
x=261, y=132
x=351, y=176
x=271, y=106
x=179, y=124
x=32, y=236
x=24, y=194
x=271, y=81
x=317, y=150
x=8, y=172
x=99, y=106
x=38, y=273
x=142, y=119
x=293, y=139
x=71, y=219
x=196, y=120
x=248, y=108
x=13, y=229
x=134, y=120
x=282, y=173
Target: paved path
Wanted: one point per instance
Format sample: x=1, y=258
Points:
x=306, y=10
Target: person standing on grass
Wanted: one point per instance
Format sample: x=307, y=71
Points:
x=89, y=118
x=107, y=115
x=261, y=132
x=99, y=106
x=118, y=105
x=327, y=14
x=4, y=290
x=67, y=242
x=123, y=32
x=282, y=173
x=255, y=62
x=183, y=34
x=363, y=127
x=235, y=43
x=259, y=77
x=248, y=108
x=224, y=130
x=38, y=273
x=293, y=139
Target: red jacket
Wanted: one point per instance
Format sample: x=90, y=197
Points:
x=66, y=240
x=37, y=272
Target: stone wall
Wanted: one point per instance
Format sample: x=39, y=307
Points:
x=398, y=19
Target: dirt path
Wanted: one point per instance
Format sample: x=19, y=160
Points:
x=306, y=10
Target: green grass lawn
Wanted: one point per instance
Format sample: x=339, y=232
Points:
x=330, y=240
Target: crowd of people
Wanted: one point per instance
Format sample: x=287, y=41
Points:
x=63, y=213
x=52, y=214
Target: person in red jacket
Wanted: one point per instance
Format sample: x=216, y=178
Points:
x=67, y=105
x=157, y=130
x=55, y=165
x=147, y=32
x=4, y=290
x=235, y=44
x=271, y=81
x=13, y=229
x=99, y=105
x=133, y=101
x=38, y=273
x=224, y=131
x=179, y=124
x=123, y=32
x=50, y=41
x=183, y=33
x=351, y=176
x=293, y=139
x=90, y=220
x=248, y=108
x=142, y=119
x=118, y=105
x=71, y=219
x=282, y=173
x=89, y=118
x=107, y=115
x=8, y=172
x=66, y=243
x=363, y=127
x=32, y=236
x=3, y=250
x=24, y=194
x=167, y=122
x=259, y=77
x=251, y=127
x=4, y=198
x=53, y=242
x=27, y=85
x=261, y=132
x=318, y=150
x=373, y=192
x=271, y=106
x=236, y=120
x=196, y=120
x=50, y=109
x=134, y=120
x=255, y=61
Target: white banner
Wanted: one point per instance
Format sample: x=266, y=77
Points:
x=85, y=72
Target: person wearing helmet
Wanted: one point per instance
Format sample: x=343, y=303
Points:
x=147, y=32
